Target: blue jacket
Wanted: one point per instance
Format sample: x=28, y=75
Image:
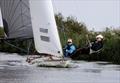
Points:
x=69, y=50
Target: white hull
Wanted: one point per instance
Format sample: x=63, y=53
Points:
x=47, y=62
x=57, y=64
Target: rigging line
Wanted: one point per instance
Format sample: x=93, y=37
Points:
x=21, y=34
x=11, y=32
x=10, y=8
x=26, y=25
x=21, y=13
x=15, y=46
x=7, y=8
x=26, y=12
x=24, y=38
x=19, y=38
x=17, y=26
x=22, y=25
x=18, y=18
x=14, y=22
x=27, y=6
x=15, y=10
x=1, y=3
x=4, y=8
x=14, y=4
x=18, y=34
x=8, y=3
x=28, y=17
x=1, y=6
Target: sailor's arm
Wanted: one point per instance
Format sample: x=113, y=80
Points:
x=72, y=49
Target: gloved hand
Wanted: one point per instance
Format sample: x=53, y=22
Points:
x=66, y=50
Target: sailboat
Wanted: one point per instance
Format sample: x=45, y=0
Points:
x=46, y=35
x=27, y=19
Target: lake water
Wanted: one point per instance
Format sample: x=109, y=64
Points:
x=14, y=69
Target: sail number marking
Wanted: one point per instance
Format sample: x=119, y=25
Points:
x=43, y=30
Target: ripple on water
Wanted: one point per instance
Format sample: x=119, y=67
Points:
x=14, y=69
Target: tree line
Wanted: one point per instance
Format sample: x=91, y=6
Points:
x=69, y=27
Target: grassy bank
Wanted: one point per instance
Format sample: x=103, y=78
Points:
x=69, y=27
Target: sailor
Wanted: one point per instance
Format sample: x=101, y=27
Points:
x=93, y=47
x=69, y=49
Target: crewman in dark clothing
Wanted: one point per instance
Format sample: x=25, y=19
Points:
x=92, y=47
x=96, y=45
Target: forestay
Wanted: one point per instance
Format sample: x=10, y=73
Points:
x=44, y=27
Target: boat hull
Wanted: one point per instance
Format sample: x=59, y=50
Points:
x=55, y=62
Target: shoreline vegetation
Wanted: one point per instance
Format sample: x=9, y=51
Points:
x=69, y=27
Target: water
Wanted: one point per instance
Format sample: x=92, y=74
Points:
x=14, y=69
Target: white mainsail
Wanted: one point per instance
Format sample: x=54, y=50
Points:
x=1, y=24
x=44, y=27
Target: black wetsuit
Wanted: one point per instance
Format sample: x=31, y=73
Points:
x=95, y=47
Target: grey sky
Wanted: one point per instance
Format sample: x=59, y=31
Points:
x=96, y=14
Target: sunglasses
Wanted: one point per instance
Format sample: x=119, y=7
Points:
x=69, y=42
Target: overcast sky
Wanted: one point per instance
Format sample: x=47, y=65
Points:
x=96, y=14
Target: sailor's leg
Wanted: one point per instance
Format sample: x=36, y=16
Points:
x=75, y=54
x=79, y=52
x=85, y=50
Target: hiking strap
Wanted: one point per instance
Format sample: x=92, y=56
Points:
x=92, y=51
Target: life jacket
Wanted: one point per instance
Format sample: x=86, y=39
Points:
x=68, y=47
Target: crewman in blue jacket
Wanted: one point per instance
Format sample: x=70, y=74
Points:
x=69, y=49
